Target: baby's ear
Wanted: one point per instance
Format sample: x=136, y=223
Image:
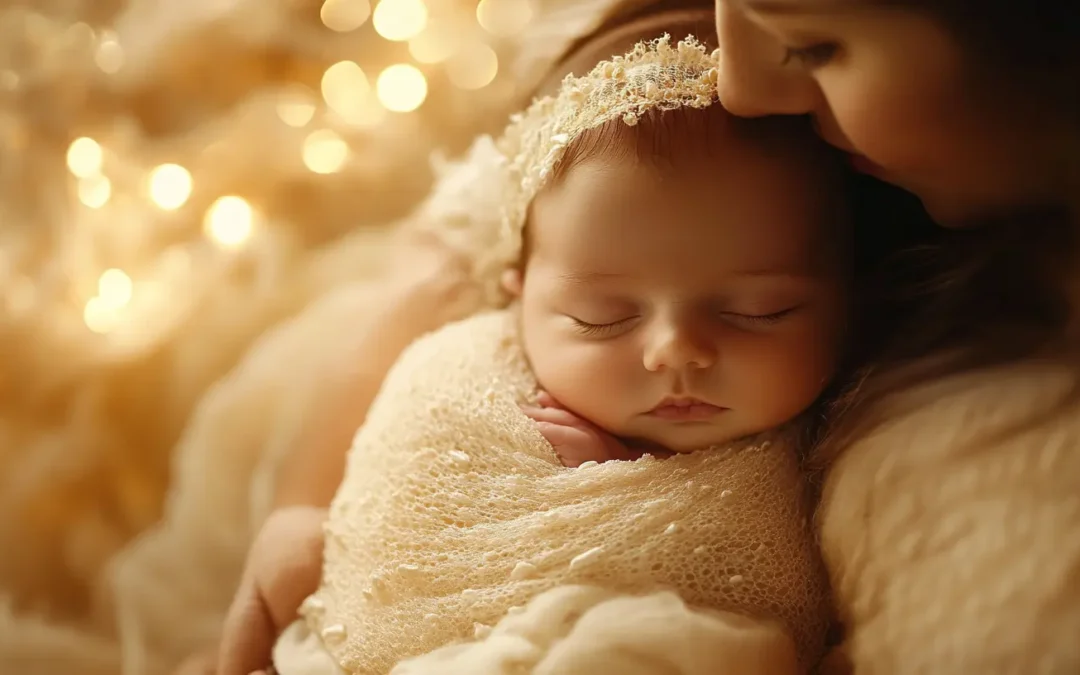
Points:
x=512, y=282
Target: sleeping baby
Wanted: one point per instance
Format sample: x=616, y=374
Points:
x=677, y=296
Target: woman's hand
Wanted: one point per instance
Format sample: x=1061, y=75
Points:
x=283, y=568
x=575, y=439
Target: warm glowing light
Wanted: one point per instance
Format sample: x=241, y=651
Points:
x=229, y=222
x=114, y=289
x=103, y=312
x=295, y=106
x=325, y=152
x=345, y=89
x=370, y=114
x=399, y=20
x=84, y=157
x=401, y=88
x=170, y=186
x=95, y=191
x=474, y=67
x=99, y=317
x=109, y=55
x=438, y=42
x=504, y=17
x=345, y=15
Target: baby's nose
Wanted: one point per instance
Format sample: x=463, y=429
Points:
x=678, y=349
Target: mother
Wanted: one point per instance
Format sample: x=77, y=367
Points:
x=951, y=512
x=950, y=517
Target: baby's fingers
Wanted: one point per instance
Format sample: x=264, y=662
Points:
x=573, y=446
x=547, y=400
x=551, y=416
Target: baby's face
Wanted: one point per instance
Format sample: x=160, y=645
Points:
x=687, y=307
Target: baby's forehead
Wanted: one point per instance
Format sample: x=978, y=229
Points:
x=750, y=213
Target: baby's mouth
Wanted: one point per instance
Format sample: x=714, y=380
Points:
x=684, y=409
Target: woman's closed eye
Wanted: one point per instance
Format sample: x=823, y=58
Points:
x=811, y=56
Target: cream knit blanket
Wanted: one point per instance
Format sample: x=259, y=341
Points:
x=454, y=512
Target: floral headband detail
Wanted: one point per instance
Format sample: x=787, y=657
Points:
x=655, y=75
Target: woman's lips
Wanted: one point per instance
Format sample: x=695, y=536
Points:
x=686, y=410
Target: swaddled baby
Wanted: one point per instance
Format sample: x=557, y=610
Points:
x=680, y=287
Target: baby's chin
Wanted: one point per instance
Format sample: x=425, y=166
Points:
x=685, y=439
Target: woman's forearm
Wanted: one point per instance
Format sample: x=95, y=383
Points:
x=429, y=288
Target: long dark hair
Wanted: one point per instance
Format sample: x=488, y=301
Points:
x=1031, y=46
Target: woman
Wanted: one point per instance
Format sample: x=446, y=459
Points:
x=950, y=511
x=953, y=467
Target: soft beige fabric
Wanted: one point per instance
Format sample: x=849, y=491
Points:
x=29, y=646
x=953, y=532
x=580, y=630
x=454, y=510
x=584, y=630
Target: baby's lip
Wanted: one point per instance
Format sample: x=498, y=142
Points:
x=683, y=406
x=680, y=402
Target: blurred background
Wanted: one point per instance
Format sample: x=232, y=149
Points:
x=168, y=171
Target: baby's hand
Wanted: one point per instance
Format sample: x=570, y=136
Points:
x=576, y=440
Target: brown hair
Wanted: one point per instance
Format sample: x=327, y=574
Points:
x=1032, y=47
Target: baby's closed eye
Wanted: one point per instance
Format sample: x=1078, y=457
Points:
x=602, y=328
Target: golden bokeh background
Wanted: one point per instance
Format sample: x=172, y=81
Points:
x=168, y=173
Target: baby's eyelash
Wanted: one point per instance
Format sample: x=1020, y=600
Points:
x=764, y=319
x=595, y=329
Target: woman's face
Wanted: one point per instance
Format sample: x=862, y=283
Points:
x=891, y=87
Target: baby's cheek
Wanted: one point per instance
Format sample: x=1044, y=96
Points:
x=778, y=378
x=587, y=377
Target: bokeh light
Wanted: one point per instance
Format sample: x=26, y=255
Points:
x=474, y=67
x=295, y=106
x=109, y=55
x=170, y=186
x=399, y=20
x=229, y=222
x=95, y=191
x=438, y=42
x=504, y=17
x=115, y=288
x=84, y=157
x=99, y=317
x=401, y=88
x=103, y=313
x=345, y=15
x=325, y=152
x=345, y=89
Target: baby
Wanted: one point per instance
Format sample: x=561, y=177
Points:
x=685, y=283
x=680, y=277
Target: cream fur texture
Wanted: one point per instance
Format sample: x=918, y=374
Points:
x=952, y=532
x=454, y=510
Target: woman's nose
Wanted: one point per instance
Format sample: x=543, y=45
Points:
x=677, y=348
x=753, y=80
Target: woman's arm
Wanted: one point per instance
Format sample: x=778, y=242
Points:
x=952, y=533
x=428, y=287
